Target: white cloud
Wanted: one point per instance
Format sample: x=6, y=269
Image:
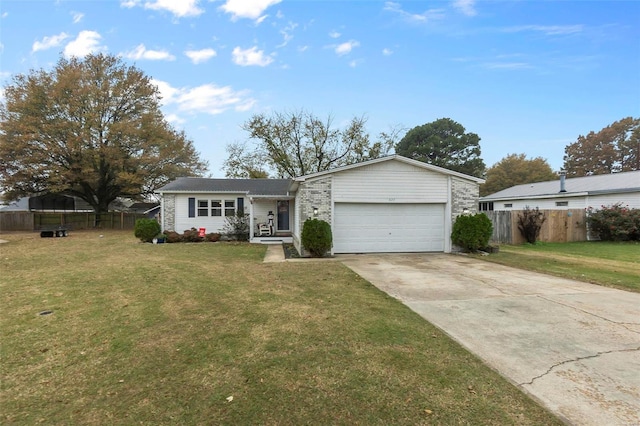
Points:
x=251, y=56
x=251, y=9
x=179, y=8
x=346, y=47
x=287, y=35
x=550, y=30
x=506, y=65
x=207, y=98
x=87, y=42
x=77, y=17
x=334, y=34
x=49, y=42
x=174, y=118
x=427, y=16
x=199, y=56
x=5, y=14
x=466, y=7
x=141, y=52
x=387, y=52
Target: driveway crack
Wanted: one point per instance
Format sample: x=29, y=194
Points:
x=623, y=324
x=596, y=355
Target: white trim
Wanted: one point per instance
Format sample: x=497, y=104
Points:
x=396, y=157
x=448, y=211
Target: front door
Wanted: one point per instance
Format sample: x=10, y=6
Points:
x=283, y=215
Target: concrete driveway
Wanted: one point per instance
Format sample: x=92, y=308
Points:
x=573, y=346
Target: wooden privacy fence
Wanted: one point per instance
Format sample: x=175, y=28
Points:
x=36, y=221
x=560, y=226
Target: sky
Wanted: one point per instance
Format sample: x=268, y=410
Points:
x=528, y=77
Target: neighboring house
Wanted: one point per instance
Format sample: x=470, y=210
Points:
x=48, y=203
x=150, y=210
x=390, y=204
x=569, y=193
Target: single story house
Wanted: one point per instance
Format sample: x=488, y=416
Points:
x=569, y=193
x=48, y=203
x=389, y=204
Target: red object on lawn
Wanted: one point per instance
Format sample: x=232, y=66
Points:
x=202, y=232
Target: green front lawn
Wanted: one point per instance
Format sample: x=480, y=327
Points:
x=208, y=334
x=613, y=264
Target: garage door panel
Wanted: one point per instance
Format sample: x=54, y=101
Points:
x=369, y=228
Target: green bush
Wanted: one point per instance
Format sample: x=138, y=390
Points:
x=146, y=229
x=316, y=237
x=530, y=223
x=472, y=232
x=236, y=227
x=615, y=223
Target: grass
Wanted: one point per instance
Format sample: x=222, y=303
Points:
x=611, y=264
x=208, y=334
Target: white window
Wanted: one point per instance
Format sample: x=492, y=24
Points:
x=216, y=207
x=229, y=207
x=203, y=207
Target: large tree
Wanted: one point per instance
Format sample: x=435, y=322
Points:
x=616, y=148
x=291, y=144
x=516, y=169
x=91, y=128
x=444, y=143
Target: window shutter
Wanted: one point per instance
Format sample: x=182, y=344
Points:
x=240, y=205
x=192, y=207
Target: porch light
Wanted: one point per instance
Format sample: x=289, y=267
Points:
x=315, y=211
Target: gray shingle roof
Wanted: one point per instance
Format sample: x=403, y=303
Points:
x=248, y=186
x=597, y=184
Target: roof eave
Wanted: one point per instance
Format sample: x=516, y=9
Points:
x=397, y=157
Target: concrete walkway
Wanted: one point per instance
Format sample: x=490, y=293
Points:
x=275, y=253
x=573, y=346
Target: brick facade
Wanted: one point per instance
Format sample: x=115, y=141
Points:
x=464, y=194
x=169, y=218
x=316, y=193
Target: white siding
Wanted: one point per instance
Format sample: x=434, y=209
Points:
x=631, y=199
x=261, y=209
x=211, y=224
x=390, y=182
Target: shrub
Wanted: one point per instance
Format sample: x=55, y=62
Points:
x=212, y=237
x=530, y=223
x=192, y=236
x=316, y=237
x=173, y=237
x=236, y=227
x=472, y=232
x=146, y=229
x=615, y=222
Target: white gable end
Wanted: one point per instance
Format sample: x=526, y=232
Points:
x=390, y=182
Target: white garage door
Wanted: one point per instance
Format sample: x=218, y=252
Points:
x=380, y=228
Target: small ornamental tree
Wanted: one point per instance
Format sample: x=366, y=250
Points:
x=146, y=229
x=472, y=232
x=236, y=227
x=316, y=237
x=615, y=223
x=530, y=223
